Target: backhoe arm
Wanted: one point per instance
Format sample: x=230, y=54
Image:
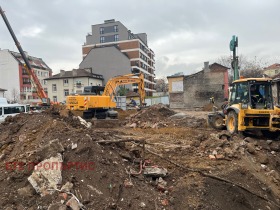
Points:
x=113, y=83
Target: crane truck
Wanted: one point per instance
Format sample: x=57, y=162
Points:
x=98, y=102
x=35, y=81
x=250, y=105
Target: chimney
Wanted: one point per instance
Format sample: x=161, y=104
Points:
x=62, y=73
x=206, y=66
x=75, y=72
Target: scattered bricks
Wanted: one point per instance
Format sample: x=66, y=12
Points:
x=220, y=156
x=63, y=195
x=164, y=202
x=251, y=148
x=127, y=183
x=212, y=157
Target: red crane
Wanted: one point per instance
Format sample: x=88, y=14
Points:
x=40, y=90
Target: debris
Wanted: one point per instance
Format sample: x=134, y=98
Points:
x=67, y=187
x=74, y=146
x=46, y=175
x=155, y=171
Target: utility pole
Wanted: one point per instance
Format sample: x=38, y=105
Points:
x=234, y=64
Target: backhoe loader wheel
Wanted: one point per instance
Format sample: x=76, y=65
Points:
x=232, y=122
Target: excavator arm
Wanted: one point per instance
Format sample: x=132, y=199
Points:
x=113, y=83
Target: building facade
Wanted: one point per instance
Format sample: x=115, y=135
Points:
x=71, y=82
x=272, y=70
x=15, y=79
x=195, y=90
x=134, y=46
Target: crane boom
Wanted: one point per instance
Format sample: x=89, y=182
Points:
x=40, y=90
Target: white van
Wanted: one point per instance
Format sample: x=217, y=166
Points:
x=12, y=110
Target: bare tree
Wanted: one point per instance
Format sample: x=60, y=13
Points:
x=161, y=85
x=14, y=96
x=247, y=67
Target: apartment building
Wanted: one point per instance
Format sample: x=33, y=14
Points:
x=114, y=34
x=71, y=82
x=15, y=79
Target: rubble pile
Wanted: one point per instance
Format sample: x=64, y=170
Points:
x=54, y=162
x=159, y=115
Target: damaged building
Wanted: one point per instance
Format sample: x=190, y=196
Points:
x=195, y=90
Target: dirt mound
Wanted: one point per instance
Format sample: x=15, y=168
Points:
x=98, y=174
x=158, y=116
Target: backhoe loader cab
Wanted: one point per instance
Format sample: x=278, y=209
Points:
x=251, y=107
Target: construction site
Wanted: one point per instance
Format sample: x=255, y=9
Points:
x=156, y=158
x=198, y=152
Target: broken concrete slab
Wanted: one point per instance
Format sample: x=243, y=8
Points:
x=47, y=175
x=155, y=172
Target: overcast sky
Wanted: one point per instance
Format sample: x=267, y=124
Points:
x=182, y=33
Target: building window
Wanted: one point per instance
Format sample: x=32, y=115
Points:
x=116, y=29
x=101, y=30
x=54, y=98
x=66, y=92
x=116, y=37
x=54, y=88
x=45, y=82
x=102, y=39
x=65, y=82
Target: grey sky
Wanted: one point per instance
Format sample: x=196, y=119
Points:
x=182, y=33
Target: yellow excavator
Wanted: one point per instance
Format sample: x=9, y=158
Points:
x=98, y=102
x=250, y=105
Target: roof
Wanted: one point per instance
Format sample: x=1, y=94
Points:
x=75, y=73
x=34, y=61
x=273, y=66
x=1, y=89
x=216, y=67
x=253, y=79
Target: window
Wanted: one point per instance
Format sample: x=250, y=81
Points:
x=116, y=29
x=54, y=88
x=38, y=73
x=65, y=82
x=45, y=82
x=239, y=93
x=102, y=39
x=46, y=74
x=54, y=98
x=101, y=30
x=66, y=92
x=116, y=37
x=14, y=109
